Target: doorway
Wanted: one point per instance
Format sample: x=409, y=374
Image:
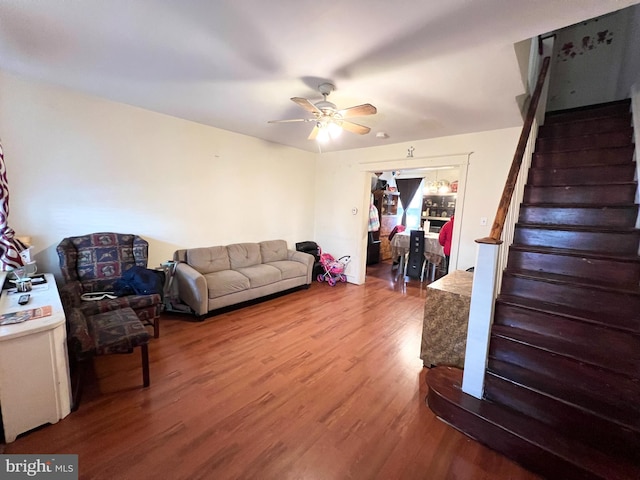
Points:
x=439, y=196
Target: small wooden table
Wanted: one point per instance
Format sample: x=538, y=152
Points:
x=446, y=318
x=34, y=367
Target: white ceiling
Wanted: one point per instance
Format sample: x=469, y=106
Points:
x=431, y=67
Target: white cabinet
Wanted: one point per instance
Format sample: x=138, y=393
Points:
x=34, y=368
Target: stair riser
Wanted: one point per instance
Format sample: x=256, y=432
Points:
x=616, y=243
x=587, y=342
x=604, y=393
x=521, y=451
x=578, y=423
x=611, y=110
x=582, y=195
x=586, y=127
x=604, y=140
x=601, y=301
x=584, y=267
x=581, y=176
x=620, y=217
x=611, y=156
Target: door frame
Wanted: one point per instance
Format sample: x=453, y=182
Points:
x=459, y=160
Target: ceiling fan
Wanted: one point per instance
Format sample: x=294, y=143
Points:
x=329, y=121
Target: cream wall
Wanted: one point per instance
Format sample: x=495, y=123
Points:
x=78, y=164
x=343, y=180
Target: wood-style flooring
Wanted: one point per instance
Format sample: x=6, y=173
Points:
x=324, y=383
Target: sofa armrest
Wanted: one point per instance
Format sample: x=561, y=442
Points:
x=192, y=288
x=304, y=258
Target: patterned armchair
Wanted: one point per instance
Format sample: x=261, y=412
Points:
x=93, y=263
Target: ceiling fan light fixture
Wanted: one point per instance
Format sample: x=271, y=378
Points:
x=323, y=134
x=335, y=129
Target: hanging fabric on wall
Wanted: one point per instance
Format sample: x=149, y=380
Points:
x=374, y=218
x=10, y=247
x=407, y=188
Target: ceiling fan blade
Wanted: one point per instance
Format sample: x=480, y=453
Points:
x=358, y=111
x=355, y=128
x=314, y=133
x=307, y=105
x=289, y=121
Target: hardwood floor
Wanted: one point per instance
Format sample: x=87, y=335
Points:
x=324, y=383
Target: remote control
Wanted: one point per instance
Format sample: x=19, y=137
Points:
x=24, y=299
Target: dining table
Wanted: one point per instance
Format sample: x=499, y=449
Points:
x=433, y=251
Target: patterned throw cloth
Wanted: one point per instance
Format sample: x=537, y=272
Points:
x=10, y=247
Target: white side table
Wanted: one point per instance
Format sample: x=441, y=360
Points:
x=34, y=367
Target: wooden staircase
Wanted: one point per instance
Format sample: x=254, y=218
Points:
x=562, y=384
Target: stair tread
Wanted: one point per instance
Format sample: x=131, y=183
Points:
x=595, y=283
x=614, y=421
x=576, y=347
x=600, y=110
x=624, y=131
x=617, y=166
x=568, y=127
x=578, y=228
x=621, y=148
x=608, y=401
x=598, y=206
x=618, y=257
x=590, y=185
x=614, y=321
x=445, y=382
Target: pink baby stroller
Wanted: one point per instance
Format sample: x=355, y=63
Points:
x=333, y=269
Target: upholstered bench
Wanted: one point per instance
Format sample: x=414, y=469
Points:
x=115, y=331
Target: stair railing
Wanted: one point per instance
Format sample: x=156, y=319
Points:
x=486, y=278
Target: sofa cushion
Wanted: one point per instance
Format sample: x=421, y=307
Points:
x=244, y=255
x=260, y=275
x=290, y=269
x=225, y=282
x=208, y=259
x=273, y=250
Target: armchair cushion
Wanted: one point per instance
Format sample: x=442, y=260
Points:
x=117, y=331
x=97, y=260
x=94, y=263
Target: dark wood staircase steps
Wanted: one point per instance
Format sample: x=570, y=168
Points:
x=576, y=158
x=589, y=175
x=618, y=138
x=562, y=381
x=582, y=346
x=624, y=268
x=540, y=448
x=586, y=127
x=620, y=241
x=604, y=216
x=603, y=296
x=607, y=194
x=564, y=378
x=605, y=110
x=536, y=307
x=579, y=424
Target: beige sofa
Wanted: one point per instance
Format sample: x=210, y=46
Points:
x=210, y=278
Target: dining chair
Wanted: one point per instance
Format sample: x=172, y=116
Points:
x=416, y=260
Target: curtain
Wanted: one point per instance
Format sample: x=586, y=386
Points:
x=10, y=247
x=407, y=188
